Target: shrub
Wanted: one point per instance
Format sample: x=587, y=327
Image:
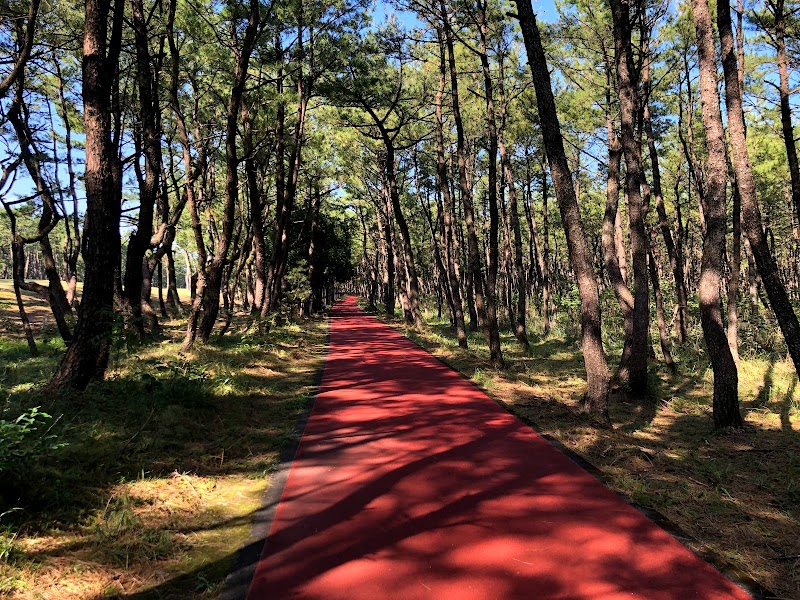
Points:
x=24, y=440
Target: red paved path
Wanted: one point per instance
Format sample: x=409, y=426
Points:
x=411, y=483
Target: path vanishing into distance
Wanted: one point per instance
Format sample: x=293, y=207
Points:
x=409, y=482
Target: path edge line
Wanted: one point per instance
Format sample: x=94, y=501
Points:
x=237, y=582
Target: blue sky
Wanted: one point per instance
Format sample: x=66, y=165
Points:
x=545, y=10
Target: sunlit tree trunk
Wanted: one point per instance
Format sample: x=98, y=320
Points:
x=726, y=377
x=598, y=376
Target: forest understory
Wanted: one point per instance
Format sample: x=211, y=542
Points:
x=149, y=493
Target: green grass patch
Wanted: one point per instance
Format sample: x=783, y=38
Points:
x=148, y=480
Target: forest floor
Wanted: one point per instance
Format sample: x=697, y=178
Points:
x=736, y=493
x=149, y=488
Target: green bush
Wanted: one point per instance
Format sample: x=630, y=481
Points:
x=26, y=439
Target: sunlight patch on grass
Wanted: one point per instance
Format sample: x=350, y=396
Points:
x=167, y=460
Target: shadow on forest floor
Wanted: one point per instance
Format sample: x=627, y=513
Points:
x=163, y=463
x=736, y=492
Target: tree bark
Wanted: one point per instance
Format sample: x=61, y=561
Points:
x=726, y=376
x=751, y=214
x=86, y=358
x=635, y=376
x=598, y=377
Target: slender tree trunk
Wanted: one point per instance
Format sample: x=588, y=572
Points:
x=312, y=255
x=726, y=376
x=751, y=214
x=256, y=211
x=72, y=246
x=385, y=231
x=598, y=377
x=492, y=325
x=214, y=275
x=779, y=26
x=443, y=184
x=513, y=208
x=663, y=333
x=610, y=252
x=135, y=294
x=475, y=281
x=287, y=184
x=735, y=266
x=635, y=376
x=173, y=299
x=405, y=236
x=18, y=254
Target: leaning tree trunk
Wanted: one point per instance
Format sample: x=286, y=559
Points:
x=751, y=214
x=726, y=375
x=598, y=376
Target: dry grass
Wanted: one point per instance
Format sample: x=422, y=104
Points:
x=737, y=493
x=166, y=462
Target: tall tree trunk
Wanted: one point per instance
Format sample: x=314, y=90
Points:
x=610, y=252
x=147, y=83
x=287, y=183
x=635, y=376
x=519, y=268
x=675, y=259
x=72, y=247
x=726, y=375
x=393, y=192
x=475, y=281
x=443, y=184
x=598, y=377
x=787, y=127
x=492, y=325
x=87, y=356
x=751, y=214
x=312, y=255
x=256, y=210
x=214, y=274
